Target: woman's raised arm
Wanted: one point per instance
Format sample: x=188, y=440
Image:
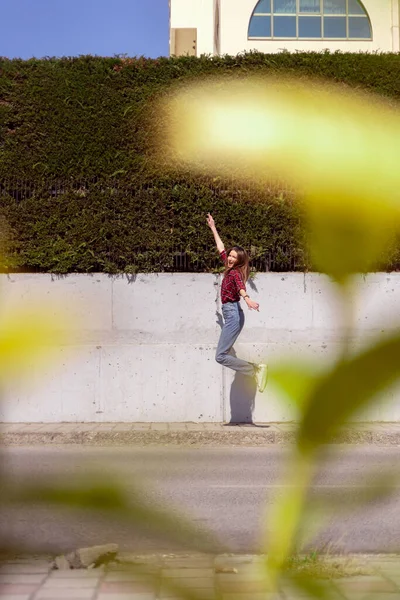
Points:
x=218, y=241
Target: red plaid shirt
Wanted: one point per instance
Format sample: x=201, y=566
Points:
x=232, y=283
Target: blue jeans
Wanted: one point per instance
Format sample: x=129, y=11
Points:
x=233, y=325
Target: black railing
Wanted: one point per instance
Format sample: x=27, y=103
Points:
x=177, y=258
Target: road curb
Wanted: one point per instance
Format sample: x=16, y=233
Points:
x=239, y=437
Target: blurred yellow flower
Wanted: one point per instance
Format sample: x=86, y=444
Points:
x=26, y=342
x=339, y=149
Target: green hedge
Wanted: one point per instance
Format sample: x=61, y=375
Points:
x=158, y=227
x=78, y=187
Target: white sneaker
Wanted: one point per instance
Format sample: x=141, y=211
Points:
x=261, y=373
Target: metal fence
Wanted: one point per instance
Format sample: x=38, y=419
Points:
x=177, y=258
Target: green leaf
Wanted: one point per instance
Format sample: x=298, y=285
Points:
x=92, y=495
x=126, y=111
x=350, y=386
x=119, y=172
x=326, y=503
x=295, y=380
x=306, y=587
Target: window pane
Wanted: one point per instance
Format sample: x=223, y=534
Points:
x=310, y=27
x=260, y=27
x=285, y=27
x=355, y=8
x=264, y=6
x=335, y=27
x=310, y=6
x=359, y=27
x=335, y=7
x=285, y=6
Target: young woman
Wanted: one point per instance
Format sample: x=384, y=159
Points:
x=233, y=289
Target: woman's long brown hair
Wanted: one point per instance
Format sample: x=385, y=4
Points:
x=242, y=264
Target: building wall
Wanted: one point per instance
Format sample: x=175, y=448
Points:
x=143, y=349
x=396, y=25
x=235, y=17
x=199, y=14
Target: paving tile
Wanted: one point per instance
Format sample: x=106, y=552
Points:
x=295, y=594
x=225, y=561
x=191, y=583
x=253, y=569
x=64, y=594
x=242, y=587
x=240, y=576
x=129, y=561
x=184, y=573
x=141, y=426
x=171, y=597
x=22, y=578
x=141, y=559
x=11, y=588
x=130, y=564
x=114, y=596
x=119, y=587
x=189, y=563
x=15, y=596
x=81, y=583
x=32, y=562
x=21, y=569
x=77, y=574
x=202, y=594
x=172, y=587
x=364, y=596
x=247, y=596
x=159, y=427
x=130, y=575
x=366, y=585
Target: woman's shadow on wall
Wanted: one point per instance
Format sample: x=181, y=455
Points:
x=242, y=397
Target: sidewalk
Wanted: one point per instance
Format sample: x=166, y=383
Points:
x=223, y=577
x=188, y=434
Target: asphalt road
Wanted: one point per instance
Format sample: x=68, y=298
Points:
x=226, y=491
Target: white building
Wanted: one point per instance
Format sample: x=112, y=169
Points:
x=232, y=26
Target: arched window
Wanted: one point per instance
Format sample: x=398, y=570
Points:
x=310, y=20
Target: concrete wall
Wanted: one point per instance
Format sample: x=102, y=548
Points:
x=143, y=349
x=235, y=16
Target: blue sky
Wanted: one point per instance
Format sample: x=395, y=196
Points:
x=72, y=27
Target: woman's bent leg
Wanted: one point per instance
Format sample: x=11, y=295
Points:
x=233, y=325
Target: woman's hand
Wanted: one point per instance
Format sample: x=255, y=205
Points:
x=251, y=304
x=210, y=221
